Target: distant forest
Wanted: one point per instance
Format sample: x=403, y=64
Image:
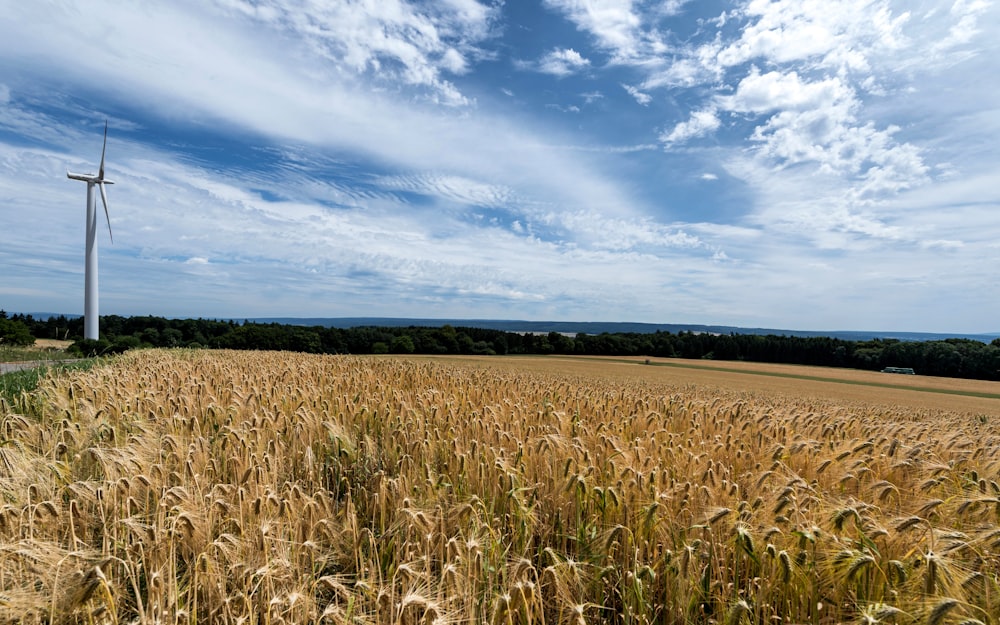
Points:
x=958, y=357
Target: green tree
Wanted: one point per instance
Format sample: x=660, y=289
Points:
x=402, y=344
x=171, y=337
x=726, y=348
x=483, y=348
x=14, y=333
x=465, y=343
x=942, y=359
x=448, y=337
x=151, y=336
x=561, y=344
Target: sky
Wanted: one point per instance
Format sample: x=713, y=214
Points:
x=795, y=164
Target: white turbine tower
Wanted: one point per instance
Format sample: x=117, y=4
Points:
x=90, y=314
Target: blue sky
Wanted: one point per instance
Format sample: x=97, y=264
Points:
x=807, y=164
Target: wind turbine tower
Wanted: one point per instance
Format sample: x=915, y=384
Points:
x=90, y=315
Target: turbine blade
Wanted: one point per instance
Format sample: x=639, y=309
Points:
x=104, y=199
x=100, y=174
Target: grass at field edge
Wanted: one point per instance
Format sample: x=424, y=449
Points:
x=15, y=383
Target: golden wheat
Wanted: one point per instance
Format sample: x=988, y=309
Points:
x=240, y=487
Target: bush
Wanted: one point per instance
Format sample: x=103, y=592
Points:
x=90, y=347
x=125, y=343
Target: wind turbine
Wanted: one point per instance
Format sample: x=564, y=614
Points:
x=90, y=314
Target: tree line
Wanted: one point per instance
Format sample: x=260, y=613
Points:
x=962, y=358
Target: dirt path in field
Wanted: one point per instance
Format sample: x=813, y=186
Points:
x=978, y=396
x=927, y=384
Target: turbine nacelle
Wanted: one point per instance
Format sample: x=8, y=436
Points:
x=94, y=178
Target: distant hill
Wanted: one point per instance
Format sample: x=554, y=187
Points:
x=45, y=315
x=598, y=327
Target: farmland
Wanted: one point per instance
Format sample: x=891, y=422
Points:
x=249, y=487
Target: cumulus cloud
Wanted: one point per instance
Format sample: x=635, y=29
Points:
x=562, y=62
x=773, y=91
x=822, y=58
x=680, y=72
x=835, y=34
x=700, y=124
x=613, y=23
x=816, y=121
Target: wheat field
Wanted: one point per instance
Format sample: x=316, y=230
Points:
x=266, y=488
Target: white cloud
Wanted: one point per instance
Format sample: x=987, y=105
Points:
x=640, y=97
x=822, y=59
x=941, y=244
x=816, y=122
x=644, y=235
x=4, y=94
x=613, y=23
x=915, y=249
x=563, y=109
x=457, y=188
x=392, y=42
x=700, y=124
x=562, y=62
x=966, y=25
x=776, y=91
x=835, y=34
x=454, y=62
x=680, y=72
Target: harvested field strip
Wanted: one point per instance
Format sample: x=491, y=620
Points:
x=815, y=378
x=973, y=397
